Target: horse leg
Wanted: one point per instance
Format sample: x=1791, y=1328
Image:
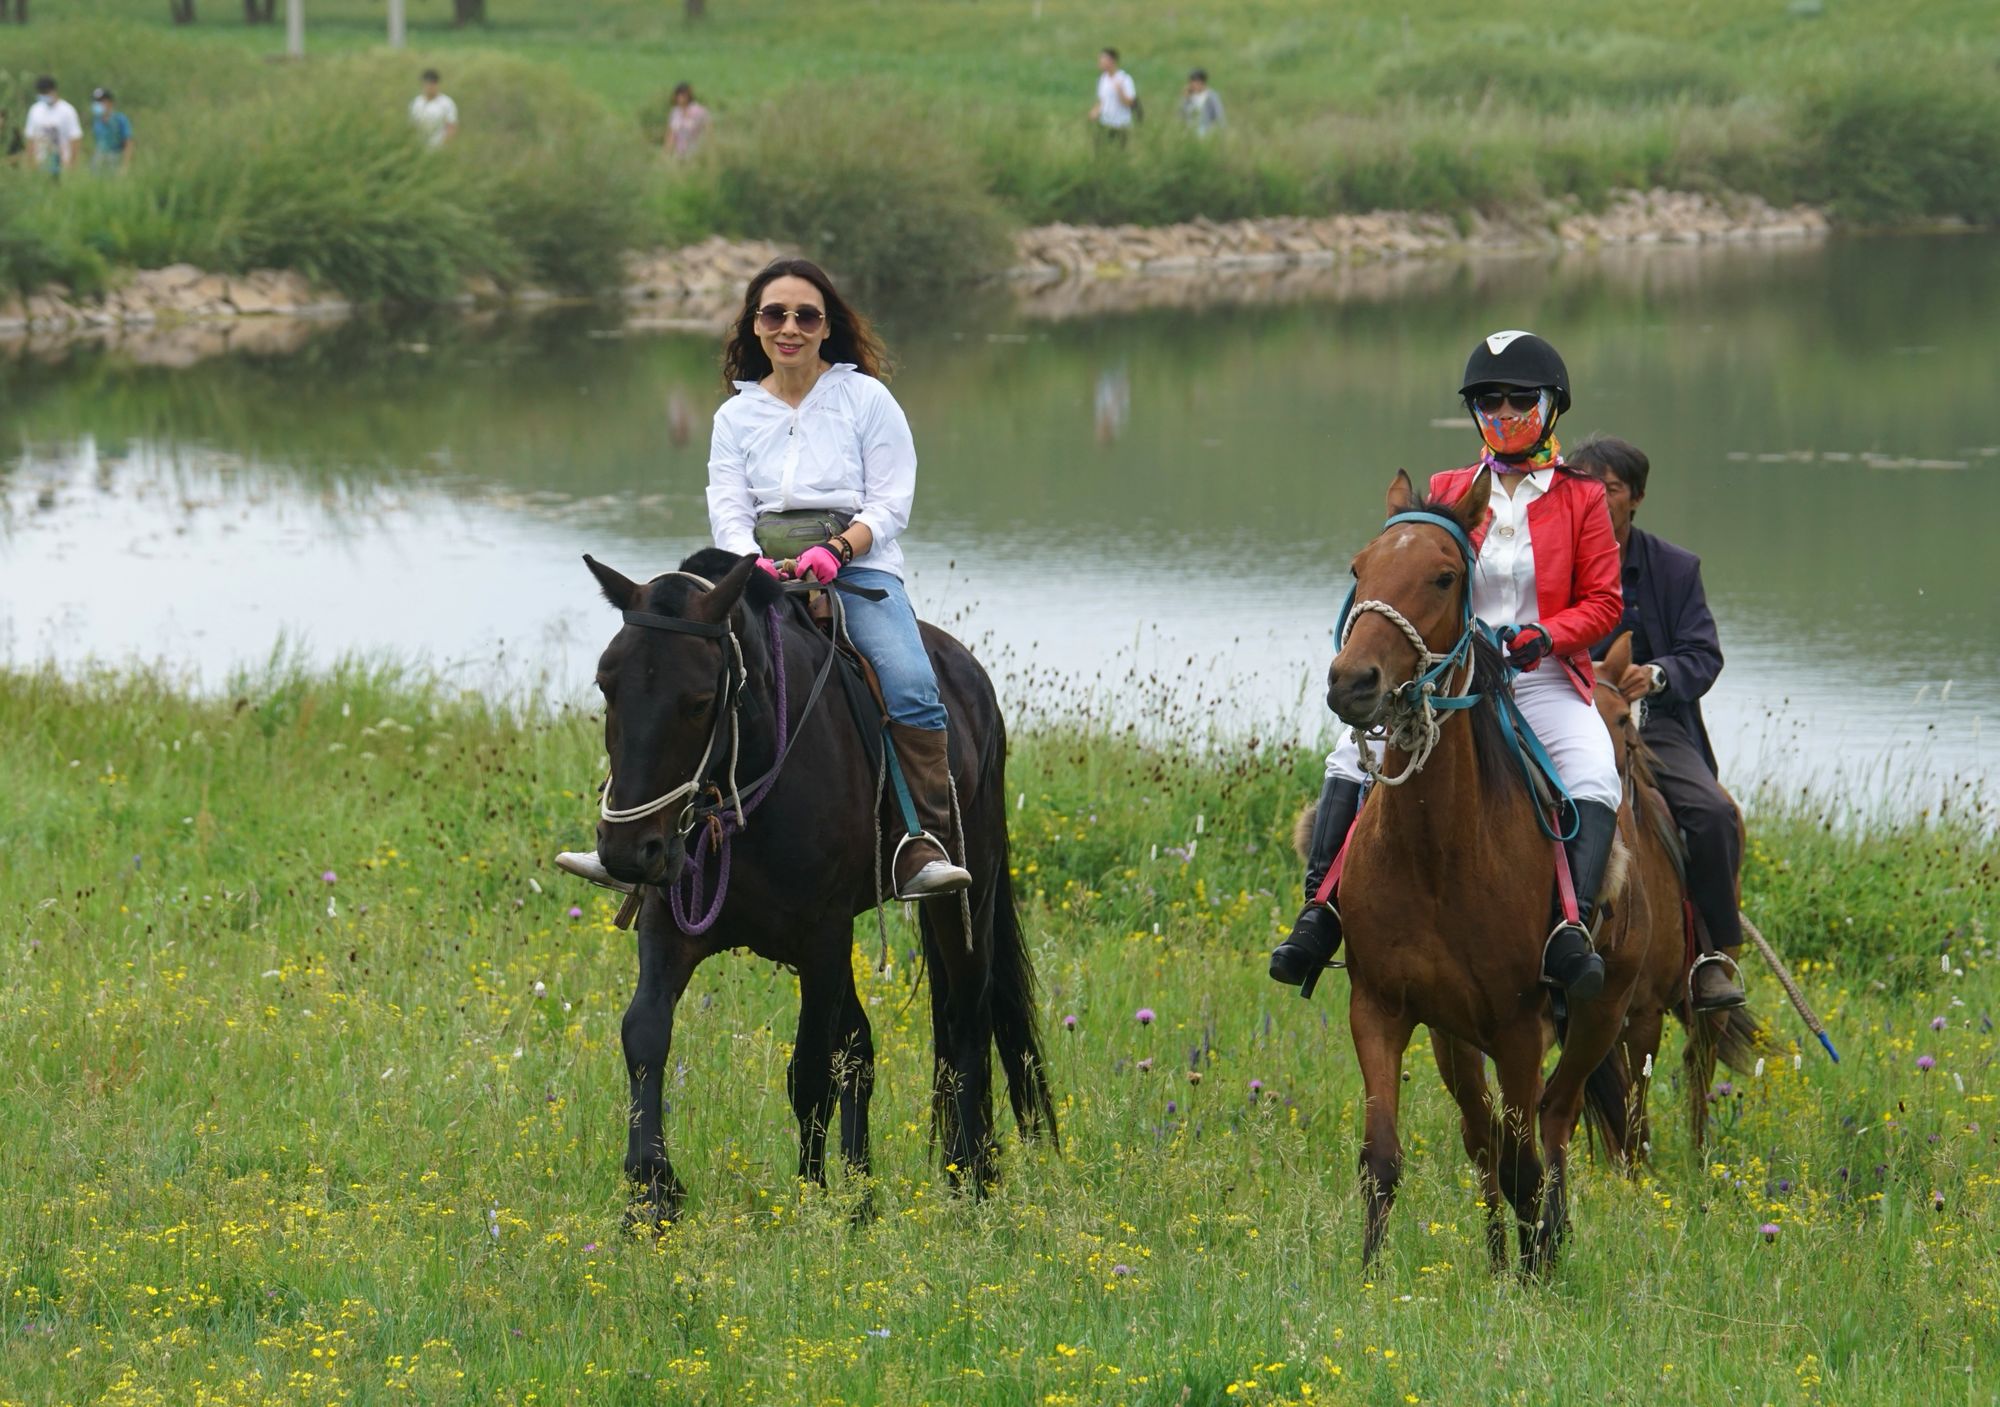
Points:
x=1380, y=1037
x=667, y=958
x=809, y=1077
x=1518, y=1062
x=1698, y=1069
x=854, y=1073
x=1593, y=1032
x=1463, y=1069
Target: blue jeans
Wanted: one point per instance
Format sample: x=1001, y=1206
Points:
x=886, y=632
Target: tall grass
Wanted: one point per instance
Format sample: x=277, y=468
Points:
x=314, y=1093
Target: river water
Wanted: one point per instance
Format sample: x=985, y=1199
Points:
x=1136, y=515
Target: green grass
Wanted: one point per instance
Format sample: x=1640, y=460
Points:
x=276, y=1070
x=943, y=124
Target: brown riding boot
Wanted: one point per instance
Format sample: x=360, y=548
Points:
x=1714, y=985
x=923, y=865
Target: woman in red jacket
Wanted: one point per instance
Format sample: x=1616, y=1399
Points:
x=1546, y=581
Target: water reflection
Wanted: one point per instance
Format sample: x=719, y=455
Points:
x=1153, y=506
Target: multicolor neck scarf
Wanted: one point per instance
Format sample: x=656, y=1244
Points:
x=1546, y=455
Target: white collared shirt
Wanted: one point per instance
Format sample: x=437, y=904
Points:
x=1503, y=580
x=846, y=447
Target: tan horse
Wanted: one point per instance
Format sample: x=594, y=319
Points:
x=1445, y=901
x=1657, y=899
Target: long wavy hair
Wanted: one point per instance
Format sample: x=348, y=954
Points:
x=849, y=337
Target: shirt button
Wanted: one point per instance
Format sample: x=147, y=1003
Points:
x=1506, y=532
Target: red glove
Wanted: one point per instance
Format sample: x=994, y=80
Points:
x=1526, y=645
x=819, y=564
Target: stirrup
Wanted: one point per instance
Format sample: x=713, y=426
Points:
x=1590, y=981
x=584, y=864
x=935, y=878
x=1736, y=977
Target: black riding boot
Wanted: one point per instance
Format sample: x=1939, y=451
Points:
x=1568, y=961
x=1315, y=937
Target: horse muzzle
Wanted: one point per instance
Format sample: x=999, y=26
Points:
x=1356, y=693
x=641, y=852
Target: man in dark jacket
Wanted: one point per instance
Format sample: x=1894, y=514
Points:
x=1675, y=660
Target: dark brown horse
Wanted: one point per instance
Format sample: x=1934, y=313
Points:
x=711, y=669
x=1445, y=900
x=1657, y=898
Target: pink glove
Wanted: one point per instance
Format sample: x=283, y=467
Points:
x=766, y=564
x=819, y=563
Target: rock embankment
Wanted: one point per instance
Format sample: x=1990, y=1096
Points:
x=1252, y=246
x=698, y=284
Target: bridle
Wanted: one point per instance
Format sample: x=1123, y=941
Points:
x=1409, y=721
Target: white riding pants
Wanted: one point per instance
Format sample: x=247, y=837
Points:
x=1562, y=718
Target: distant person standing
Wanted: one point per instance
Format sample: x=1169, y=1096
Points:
x=1117, y=97
x=110, y=132
x=1201, y=107
x=435, y=114
x=687, y=122
x=53, y=130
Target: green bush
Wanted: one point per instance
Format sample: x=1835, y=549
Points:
x=881, y=195
x=1538, y=72
x=1923, y=141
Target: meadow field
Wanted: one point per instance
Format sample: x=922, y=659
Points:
x=904, y=139
x=314, y=1095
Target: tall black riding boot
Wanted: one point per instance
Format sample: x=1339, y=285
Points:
x=1568, y=960
x=1315, y=937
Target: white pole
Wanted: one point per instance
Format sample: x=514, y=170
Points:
x=295, y=29
x=396, y=23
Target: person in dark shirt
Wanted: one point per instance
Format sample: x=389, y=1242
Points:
x=1675, y=660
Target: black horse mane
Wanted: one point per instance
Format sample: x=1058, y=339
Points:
x=669, y=595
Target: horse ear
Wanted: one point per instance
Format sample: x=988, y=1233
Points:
x=715, y=606
x=620, y=591
x=1618, y=658
x=1402, y=493
x=1470, y=510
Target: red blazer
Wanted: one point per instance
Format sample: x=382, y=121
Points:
x=1578, y=594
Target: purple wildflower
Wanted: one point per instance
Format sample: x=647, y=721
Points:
x=1769, y=1231
x=589, y=1247
x=1256, y=1088
x=1144, y=1016
x=1069, y=1023
x=1121, y=1269
x=329, y=877
x=1926, y=1062
x=1937, y=1023
x=1145, y=1063
x=575, y=912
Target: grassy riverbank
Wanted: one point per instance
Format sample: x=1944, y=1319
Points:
x=902, y=140
x=315, y=1096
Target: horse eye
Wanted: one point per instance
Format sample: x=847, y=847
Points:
x=1444, y=582
x=696, y=706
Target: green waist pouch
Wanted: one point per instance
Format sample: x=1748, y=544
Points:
x=785, y=535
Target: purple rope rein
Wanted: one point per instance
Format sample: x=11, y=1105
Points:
x=685, y=896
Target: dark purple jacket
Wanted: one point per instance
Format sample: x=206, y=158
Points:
x=1667, y=612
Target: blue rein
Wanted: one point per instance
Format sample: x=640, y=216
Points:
x=1528, y=753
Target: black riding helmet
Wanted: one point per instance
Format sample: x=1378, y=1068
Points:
x=1517, y=359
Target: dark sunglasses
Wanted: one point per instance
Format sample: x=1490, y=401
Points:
x=771, y=318
x=1523, y=401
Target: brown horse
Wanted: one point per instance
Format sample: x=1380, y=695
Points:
x=1657, y=900
x=1446, y=902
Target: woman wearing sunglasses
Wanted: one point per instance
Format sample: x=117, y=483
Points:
x=812, y=467
x=1547, y=582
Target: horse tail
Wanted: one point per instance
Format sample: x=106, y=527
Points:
x=1016, y=1030
x=1607, y=1101
x=1741, y=1039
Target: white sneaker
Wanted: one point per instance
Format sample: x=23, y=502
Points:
x=937, y=877
x=584, y=864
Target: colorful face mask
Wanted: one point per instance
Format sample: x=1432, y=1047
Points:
x=1508, y=433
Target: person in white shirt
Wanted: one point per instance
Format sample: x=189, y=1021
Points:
x=811, y=466
x=53, y=131
x=435, y=114
x=1117, y=97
